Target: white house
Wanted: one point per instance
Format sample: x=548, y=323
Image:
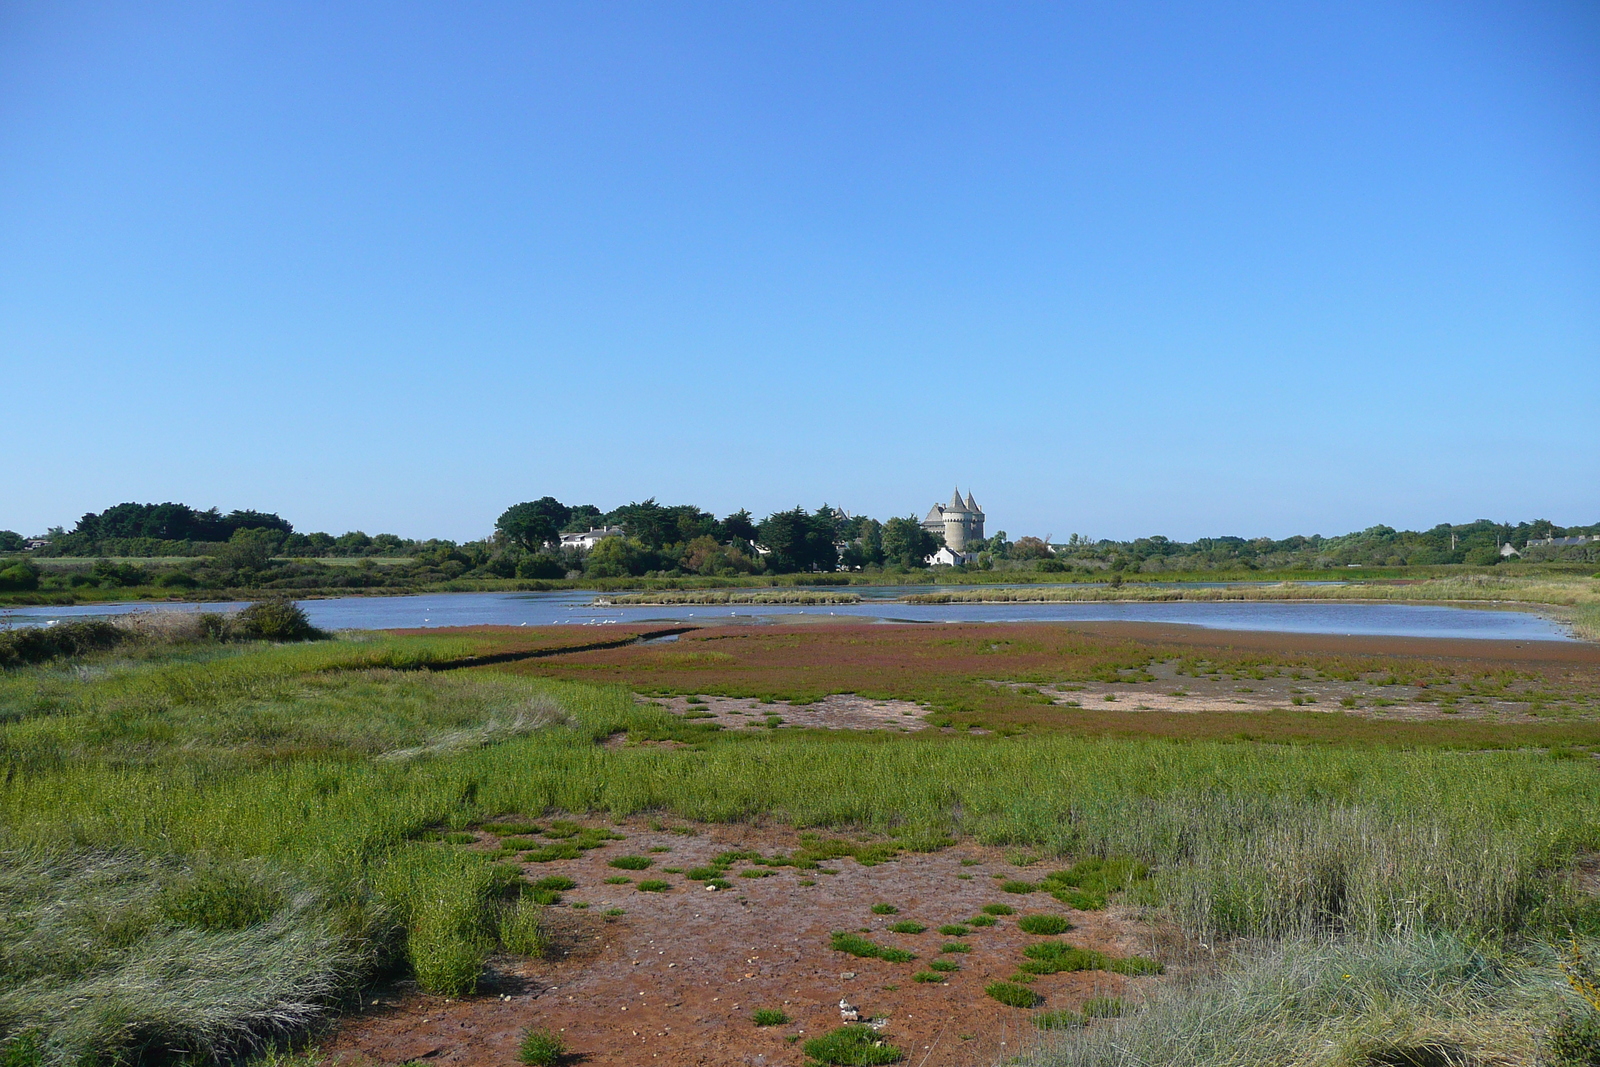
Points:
x=949, y=557
x=583, y=542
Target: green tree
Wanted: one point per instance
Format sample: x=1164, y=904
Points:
x=10, y=541
x=615, y=557
x=907, y=544
x=530, y=524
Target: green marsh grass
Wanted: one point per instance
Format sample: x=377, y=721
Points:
x=270, y=758
x=1043, y=924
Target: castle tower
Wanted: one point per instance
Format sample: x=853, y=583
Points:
x=960, y=521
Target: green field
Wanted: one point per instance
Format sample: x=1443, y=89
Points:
x=208, y=847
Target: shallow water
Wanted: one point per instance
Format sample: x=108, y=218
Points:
x=576, y=607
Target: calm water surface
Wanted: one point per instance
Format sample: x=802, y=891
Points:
x=575, y=607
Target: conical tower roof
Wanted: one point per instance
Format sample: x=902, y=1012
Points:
x=972, y=505
x=955, y=502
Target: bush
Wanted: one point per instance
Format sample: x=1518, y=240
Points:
x=18, y=576
x=954, y=930
x=768, y=1017
x=541, y=1048
x=631, y=863
x=37, y=644
x=1043, y=924
x=1012, y=995
x=856, y=945
x=276, y=619
x=907, y=927
x=983, y=920
x=851, y=1046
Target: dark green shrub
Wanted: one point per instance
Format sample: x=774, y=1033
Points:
x=18, y=576
x=1043, y=924
x=276, y=619
x=851, y=1046
x=541, y=1048
x=653, y=885
x=630, y=863
x=37, y=644
x=769, y=1017
x=1012, y=995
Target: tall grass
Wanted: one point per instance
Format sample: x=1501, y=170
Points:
x=1409, y=999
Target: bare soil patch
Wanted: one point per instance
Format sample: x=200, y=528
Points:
x=839, y=711
x=675, y=977
x=1380, y=696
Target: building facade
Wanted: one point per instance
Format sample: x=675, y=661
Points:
x=960, y=521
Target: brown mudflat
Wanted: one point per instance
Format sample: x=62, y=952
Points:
x=676, y=977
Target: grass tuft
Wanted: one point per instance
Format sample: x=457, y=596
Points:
x=1011, y=994
x=1043, y=924
x=541, y=1047
x=852, y=1046
x=768, y=1017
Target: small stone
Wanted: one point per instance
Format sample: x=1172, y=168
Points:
x=846, y=976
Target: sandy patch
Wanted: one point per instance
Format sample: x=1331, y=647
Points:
x=675, y=977
x=841, y=711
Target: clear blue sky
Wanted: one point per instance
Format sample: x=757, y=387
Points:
x=1122, y=269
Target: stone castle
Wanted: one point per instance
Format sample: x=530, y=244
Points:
x=960, y=521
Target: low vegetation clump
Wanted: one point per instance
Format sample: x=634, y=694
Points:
x=955, y=946
x=999, y=909
x=1104, y=1007
x=1442, y=1001
x=884, y=909
x=983, y=920
x=1087, y=884
x=653, y=885
x=906, y=927
x=541, y=1047
x=769, y=1017
x=1058, y=1020
x=859, y=946
x=1016, y=885
x=1043, y=924
x=954, y=930
x=927, y=976
x=522, y=931
x=630, y=863
x=944, y=965
x=852, y=1046
x=1012, y=995
x=1054, y=957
